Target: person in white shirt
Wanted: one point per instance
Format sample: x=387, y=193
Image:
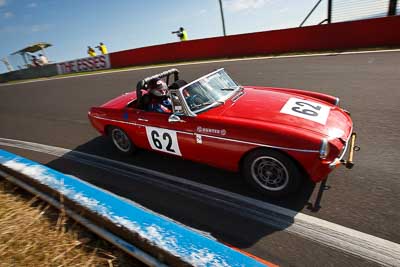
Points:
x=43, y=60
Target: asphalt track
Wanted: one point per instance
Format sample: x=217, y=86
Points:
x=365, y=198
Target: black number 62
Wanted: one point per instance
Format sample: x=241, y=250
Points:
x=305, y=111
x=166, y=137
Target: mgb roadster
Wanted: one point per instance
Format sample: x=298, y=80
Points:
x=275, y=137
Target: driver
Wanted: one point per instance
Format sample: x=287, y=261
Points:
x=160, y=102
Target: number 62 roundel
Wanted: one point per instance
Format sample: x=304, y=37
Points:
x=163, y=140
x=307, y=110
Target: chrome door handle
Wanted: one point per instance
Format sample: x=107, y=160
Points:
x=140, y=119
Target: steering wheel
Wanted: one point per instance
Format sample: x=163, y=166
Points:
x=194, y=100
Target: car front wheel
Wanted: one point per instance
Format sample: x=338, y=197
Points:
x=271, y=172
x=121, y=141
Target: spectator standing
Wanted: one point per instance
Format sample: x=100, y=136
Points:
x=103, y=48
x=43, y=60
x=182, y=34
x=91, y=51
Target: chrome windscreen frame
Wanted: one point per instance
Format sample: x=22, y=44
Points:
x=194, y=113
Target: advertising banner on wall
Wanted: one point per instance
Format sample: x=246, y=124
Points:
x=101, y=62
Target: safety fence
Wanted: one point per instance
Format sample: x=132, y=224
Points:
x=152, y=238
x=348, y=10
x=367, y=33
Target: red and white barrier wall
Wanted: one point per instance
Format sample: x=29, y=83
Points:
x=336, y=36
x=344, y=35
x=84, y=64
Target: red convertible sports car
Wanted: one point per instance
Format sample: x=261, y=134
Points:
x=275, y=137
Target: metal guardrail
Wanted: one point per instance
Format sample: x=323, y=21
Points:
x=113, y=239
x=349, y=10
x=142, y=233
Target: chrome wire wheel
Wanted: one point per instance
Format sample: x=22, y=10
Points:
x=121, y=140
x=269, y=173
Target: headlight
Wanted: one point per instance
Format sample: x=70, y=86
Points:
x=324, y=150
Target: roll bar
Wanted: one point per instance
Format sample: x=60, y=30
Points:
x=143, y=83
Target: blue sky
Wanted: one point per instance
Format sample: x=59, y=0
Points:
x=124, y=24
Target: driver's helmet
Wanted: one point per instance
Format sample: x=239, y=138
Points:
x=158, y=88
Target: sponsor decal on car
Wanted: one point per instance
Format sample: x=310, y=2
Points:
x=199, y=140
x=200, y=129
x=306, y=109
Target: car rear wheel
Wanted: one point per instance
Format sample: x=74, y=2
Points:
x=271, y=172
x=121, y=140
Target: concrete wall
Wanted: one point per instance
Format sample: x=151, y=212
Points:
x=30, y=73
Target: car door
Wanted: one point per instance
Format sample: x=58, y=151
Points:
x=192, y=138
x=206, y=143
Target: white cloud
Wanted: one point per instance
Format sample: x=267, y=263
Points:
x=8, y=15
x=8, y=29
x=32, y=5
x=241, y=5
x=3, y=3
x=283, y=10
x=202, y=11
x=26, y=29
x=40, y=27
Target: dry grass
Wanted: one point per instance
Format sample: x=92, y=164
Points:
x=35, y=234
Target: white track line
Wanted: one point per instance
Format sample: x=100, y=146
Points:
x=205, y=62
x=347, y=240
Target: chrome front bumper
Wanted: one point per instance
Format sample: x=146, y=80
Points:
x=351, y=145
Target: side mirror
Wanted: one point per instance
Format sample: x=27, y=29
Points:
x=175, y=118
